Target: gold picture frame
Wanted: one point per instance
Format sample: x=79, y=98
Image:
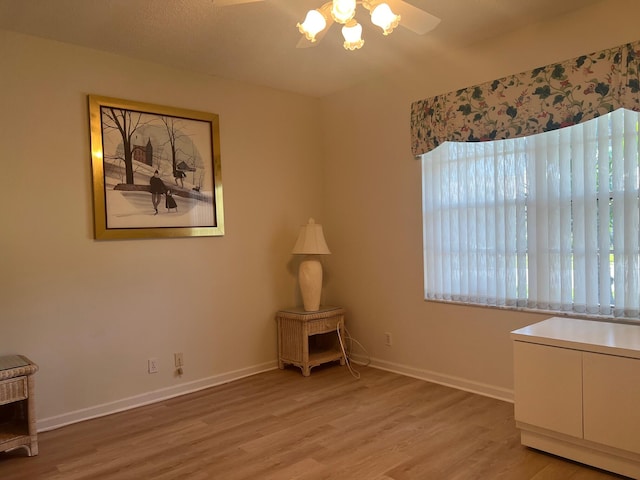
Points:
x=156, y=170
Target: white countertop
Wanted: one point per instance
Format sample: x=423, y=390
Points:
x=590, y=335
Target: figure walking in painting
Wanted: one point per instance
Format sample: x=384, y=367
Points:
x=157, y=188
x=170, y=202
x=179, y=175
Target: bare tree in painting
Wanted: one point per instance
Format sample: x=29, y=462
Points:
x=126, y=122
x=175, y=135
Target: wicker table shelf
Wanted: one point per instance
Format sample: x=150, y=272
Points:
x=17, y=404
x=309, y=339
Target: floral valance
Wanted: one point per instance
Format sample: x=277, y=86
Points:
x=543, y=99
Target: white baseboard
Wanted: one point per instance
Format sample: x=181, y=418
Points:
x=51, y=423
x=486, y=390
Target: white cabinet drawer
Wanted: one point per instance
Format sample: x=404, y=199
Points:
x=612, y=400
x=548, y=387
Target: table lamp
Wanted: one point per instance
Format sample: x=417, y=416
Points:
x=310, y=242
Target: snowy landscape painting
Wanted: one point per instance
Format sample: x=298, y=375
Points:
x=156, y=170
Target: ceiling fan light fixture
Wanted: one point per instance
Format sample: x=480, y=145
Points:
x=383, y=17
x=319, y=21
x=343, y=10
x=352, y=33
x=313, y=24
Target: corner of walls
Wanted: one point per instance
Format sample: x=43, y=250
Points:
x=374, y=205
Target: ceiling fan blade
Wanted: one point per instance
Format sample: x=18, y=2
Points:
x=304, y=43
x=226, y=3
x=413, y=18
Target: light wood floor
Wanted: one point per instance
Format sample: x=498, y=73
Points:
x=281, y=426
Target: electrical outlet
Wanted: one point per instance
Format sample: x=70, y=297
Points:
x=152, y=365
x=179, y=359
x=387, y=339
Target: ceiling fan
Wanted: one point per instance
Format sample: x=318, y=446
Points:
x=387, y=14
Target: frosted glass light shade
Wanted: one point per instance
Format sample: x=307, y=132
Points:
x=343, y=10
x=352, y=33
x=313, y=24
x=383, y=17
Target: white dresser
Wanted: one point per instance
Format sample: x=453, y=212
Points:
x=577, y=391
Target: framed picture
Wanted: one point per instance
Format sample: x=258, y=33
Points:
x=156, y=170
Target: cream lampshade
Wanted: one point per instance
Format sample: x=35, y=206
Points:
x=310, y=242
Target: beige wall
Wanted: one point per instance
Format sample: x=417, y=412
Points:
x=373, y=194
x=90, y=312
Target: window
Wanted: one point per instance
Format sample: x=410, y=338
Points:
x=547, y=222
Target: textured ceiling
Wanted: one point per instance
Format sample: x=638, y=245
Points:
x=256, y=42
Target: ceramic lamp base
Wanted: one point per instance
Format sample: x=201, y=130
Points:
x=310, y=278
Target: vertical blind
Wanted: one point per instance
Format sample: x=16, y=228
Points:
x=549, y=221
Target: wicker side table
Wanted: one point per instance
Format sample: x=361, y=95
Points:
x=17, y=404
x=309, y=339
